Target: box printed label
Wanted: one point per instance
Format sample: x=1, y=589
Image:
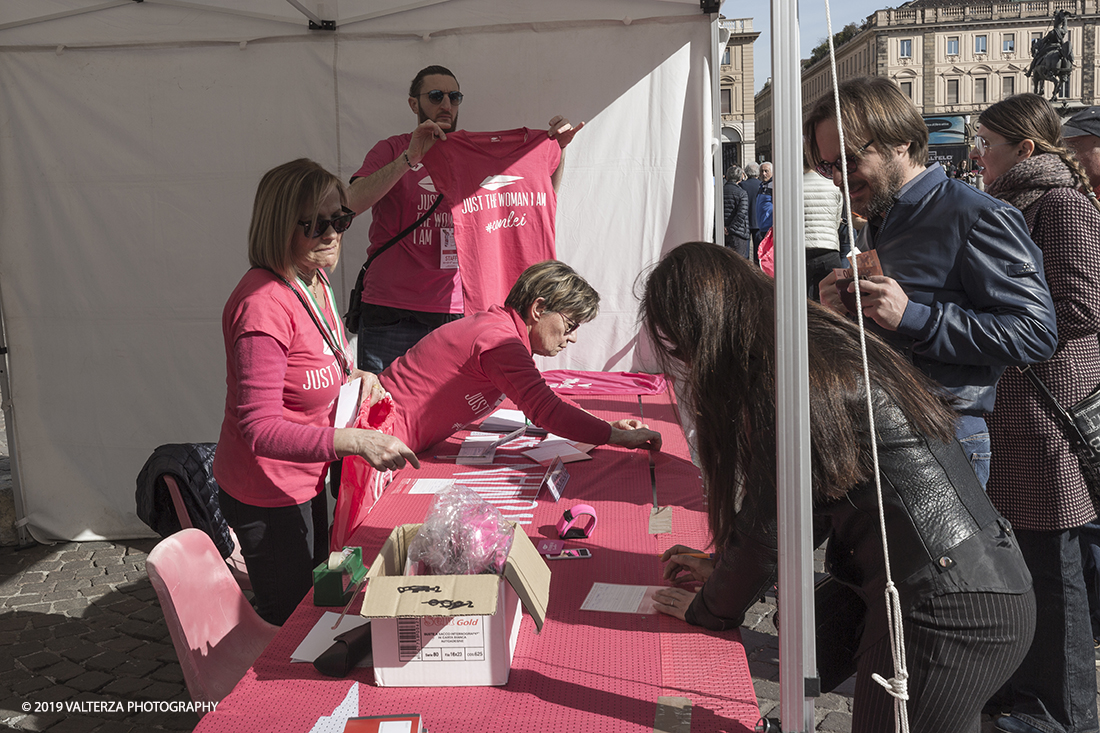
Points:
x=441, y=639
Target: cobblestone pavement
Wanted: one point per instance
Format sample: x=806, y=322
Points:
x=83, y=635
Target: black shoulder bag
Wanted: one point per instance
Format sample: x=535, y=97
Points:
x=1081, y=424
x=355, y=304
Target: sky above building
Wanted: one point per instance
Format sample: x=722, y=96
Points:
x=811, y=25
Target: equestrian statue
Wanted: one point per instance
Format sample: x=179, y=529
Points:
x=1051, y=57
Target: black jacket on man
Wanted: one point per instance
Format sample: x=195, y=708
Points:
x=751, y=187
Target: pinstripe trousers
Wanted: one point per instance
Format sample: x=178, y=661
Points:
x=960, y=648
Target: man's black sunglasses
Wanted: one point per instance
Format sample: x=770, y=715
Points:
x=435, y=96
x=339, y=224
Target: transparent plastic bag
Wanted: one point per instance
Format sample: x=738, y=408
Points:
x=462, y=535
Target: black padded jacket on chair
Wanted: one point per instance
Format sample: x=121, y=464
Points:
x=192, y=466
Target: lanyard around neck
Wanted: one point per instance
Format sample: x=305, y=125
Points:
x=338, y=334
x=336, y=341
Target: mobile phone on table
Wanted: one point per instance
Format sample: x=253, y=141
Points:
x=580, y=552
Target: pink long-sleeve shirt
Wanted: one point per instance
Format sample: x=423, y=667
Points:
x=282, y=383
x=460, y=372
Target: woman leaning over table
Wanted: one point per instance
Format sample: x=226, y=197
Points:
x=1035, y=479
x=965, y=595
x=286, y=359
x=460, y=372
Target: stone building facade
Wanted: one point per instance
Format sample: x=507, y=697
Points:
x=957, y=57
x=736, y=89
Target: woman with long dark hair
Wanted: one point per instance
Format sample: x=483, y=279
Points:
x=967, y=608
x=1035, y=476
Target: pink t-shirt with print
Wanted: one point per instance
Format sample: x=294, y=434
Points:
x=498, y=186
x=282, y=382
x=414, y=274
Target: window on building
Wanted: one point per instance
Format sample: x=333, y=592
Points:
x=1008, y=86
x=1008, y=43
x=907, y=89
x=727, y=102
x=905, y=48
x=952, y=91
x=726, y=57
x=979, y=44
x=979, y=90
x=953, y=46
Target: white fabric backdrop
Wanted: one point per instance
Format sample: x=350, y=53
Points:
x=129, y=172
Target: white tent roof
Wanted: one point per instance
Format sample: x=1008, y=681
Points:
x=133, y=136
x=85, y=22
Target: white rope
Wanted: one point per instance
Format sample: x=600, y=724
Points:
x=896, y=686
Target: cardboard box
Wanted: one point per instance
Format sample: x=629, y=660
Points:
x=450, y=630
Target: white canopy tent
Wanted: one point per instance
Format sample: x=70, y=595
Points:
x=133, y=134
x=133, y=137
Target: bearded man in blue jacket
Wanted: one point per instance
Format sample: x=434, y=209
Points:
x=962, y=294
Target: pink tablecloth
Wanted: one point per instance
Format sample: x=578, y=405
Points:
x=586, y=671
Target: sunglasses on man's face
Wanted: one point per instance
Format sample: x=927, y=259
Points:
x=435, y=96
x=339, y=224
x=826, y=168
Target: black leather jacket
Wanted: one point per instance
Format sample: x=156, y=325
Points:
x=944, y=535
x=978, y=300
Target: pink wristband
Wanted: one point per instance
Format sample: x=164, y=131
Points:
x=567, y=531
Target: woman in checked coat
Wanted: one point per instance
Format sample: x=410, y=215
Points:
x=1035, y=478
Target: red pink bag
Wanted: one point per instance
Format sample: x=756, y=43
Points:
x=361, y=485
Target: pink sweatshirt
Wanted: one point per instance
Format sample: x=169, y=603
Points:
x=460, y=372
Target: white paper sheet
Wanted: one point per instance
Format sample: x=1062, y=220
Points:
x=503, y=421
x=336, y=722
x=321, y=636
x=395, y=726
x=430, y=485
x=480, y=448
x=347, y=405
x=615, y=598
x=477, y=449
x=545, y=454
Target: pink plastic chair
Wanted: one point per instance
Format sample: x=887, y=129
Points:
x=216, y=632
x=234, y=561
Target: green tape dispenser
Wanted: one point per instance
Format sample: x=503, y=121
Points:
x=329, y=588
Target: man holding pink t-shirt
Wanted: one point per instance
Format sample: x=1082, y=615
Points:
x=415, y=286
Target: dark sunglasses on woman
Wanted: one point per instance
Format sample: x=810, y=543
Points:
x=339, y=224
